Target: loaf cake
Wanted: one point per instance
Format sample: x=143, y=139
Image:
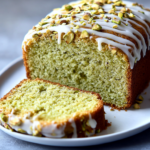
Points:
x=43, y=108
x=94, y=45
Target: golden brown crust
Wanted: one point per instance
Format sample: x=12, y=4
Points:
x=80, y=120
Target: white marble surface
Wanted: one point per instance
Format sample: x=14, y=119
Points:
x=16, y=18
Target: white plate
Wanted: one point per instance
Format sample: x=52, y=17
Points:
x=124, y=123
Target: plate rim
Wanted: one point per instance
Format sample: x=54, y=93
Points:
x=124, y=133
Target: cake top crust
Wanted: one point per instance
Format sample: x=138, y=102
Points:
x=96, y=17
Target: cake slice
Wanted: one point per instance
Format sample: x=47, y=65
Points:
x=94, y=45
x=43, y=108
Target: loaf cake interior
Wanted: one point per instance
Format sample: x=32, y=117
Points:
x=48, y=102
x=81, y=65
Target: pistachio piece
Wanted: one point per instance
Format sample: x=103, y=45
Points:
x=84, y=34
x=8, y=127
x=95, y=6
x=134, y=4
x=131, y=15
x=112, y=11
x=68, y=7
x=125, y=15
x=86, y=16
x=101, y=11
x=139, y=101
x=21, y=130
x=64, y=22
x=69, y=37
x=73, y=17
x=78, y=9
x=109, y=2
x=116, y=21
x=141, y=98
x=136, y=106
x=99, y=3
x=97, y=27
x=42, y=23
x=123, y=10
x=37, y=133
x=120, y=15
x=115, y=26
x=16, y=122
x=53, y=16
x=3, y=117
x=118, y=3
x=98, y=131
x=141, y=12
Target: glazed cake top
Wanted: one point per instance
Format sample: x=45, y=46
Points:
x=96, y=18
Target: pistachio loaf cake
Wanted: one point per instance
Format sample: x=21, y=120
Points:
x=95, y=45
x=43, y=108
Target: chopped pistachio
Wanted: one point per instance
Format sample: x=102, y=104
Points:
x=59, y=16
x=8, y=127
x=101, y=11
x=125, y=15
x=68, y=7
x=112, y=11
x=53, y=16
x=141, y=98
x=115, y=26
x=141, y=12
x=96, y=12
x=120, y=15
x=69, y=37
x=102, y=15
x=77, y=27
x=96, y=27
x=134, y=4
x=78, y=9
x=86, y=16
x=118, y=3
x=73, y=17
x=3, y=117
x=63, y=21
x=21, y=130
x=83, y=23
x=95, y=6
x=136, y=106
x=42, y=23
x=106, y=20
x=109, y=2
x=98, y=131
x=139, y=101
x=123, y=10
x=99, y=3
x=84, y=34
x=16, y=122
x=73, y=13
x=131, y=15
x=37, y=133
x=116, y=21
x=47, y=17
x=129, y=10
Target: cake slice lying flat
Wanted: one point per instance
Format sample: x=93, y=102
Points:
x=43, y=108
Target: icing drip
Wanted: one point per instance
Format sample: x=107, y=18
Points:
x=74, y=127
x=124, y=44
x=92, y=122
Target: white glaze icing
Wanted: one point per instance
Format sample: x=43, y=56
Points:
x=52, y=130
x=122, y=29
